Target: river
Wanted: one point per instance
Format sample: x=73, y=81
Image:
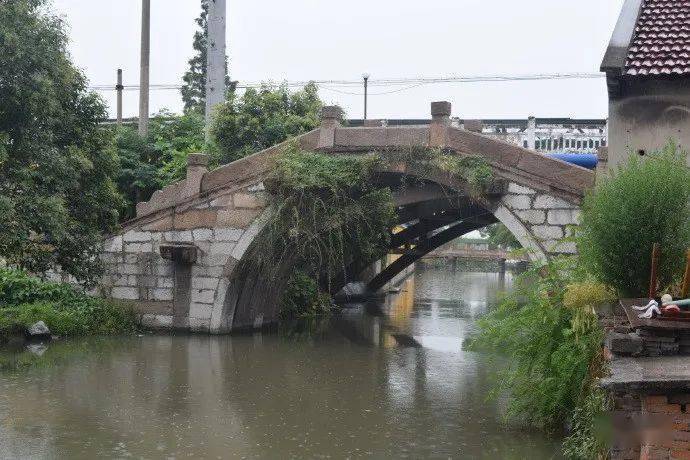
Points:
x=397, y=386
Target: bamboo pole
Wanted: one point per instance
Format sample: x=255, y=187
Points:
x=653, y=279
x=686, y=278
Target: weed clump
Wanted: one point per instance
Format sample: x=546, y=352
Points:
x=25, y=299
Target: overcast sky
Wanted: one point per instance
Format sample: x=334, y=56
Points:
x=299, y=40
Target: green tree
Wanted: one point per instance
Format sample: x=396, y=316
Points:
x=56, y=192
x=194, y=87
x=148, y=164
x=262, y=118
x=646, y=201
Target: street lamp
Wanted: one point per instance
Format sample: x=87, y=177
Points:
x=366, y=84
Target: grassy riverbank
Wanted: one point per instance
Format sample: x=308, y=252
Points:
x=66, y=310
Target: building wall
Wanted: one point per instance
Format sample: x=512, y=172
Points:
x=650, y=113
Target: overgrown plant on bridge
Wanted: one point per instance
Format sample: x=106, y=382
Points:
x=474, y=171
x=548, y=327
x=327, y=216
x=331, y=219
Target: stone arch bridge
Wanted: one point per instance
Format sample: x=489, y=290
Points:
x=180, y=261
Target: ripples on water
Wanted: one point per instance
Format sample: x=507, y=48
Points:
x=399, y=386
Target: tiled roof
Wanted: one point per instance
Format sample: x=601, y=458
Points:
x=661, y=44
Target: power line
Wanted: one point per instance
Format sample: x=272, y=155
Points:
x=407, y=83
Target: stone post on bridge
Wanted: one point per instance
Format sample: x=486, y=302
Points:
x=531, y=132
x=440, y=122
x=197, y=166
x=331, y=116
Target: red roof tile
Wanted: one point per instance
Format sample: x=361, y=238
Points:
x=661, y=44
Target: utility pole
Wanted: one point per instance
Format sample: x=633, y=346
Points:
x=119, y=89
x=144, y=72
x=215, y=71
x=366, y=87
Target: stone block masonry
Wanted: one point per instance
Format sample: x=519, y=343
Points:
x=543, y=220
x=137, y=273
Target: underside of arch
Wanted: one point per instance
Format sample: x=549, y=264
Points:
x=427, y=245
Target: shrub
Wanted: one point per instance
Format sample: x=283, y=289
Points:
x=65, y=310
x=303, y=299
x=590, y=428
x=148, y=164
x=645, y=202
x=555, y=354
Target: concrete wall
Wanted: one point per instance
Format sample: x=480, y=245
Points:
x=650, y=112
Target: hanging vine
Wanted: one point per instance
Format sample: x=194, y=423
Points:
x=329, y=212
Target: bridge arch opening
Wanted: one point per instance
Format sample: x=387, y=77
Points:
x=434, y=209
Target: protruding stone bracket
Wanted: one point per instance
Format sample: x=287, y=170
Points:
x=331, y=117
x=440, y=122
x=181, y=253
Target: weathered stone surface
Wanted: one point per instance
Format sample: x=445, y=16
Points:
x=120, y=279
x=519, y=189
x=114, y=244
x=125, y=293
x=157, y=321
x=517, y=201
x=199, y=324
x=152, y=307
x=204, y=271
x=204, y=283
x=441, y=109
x=560, y=247
x=237, y=218
x=159, y=225
x=547, y=232
x=38, y=330
x=564, y=216
x=195, y=218
x=624, y=344
x=138, y=248
x=203, y=295
x=200, y=310
x=165, y=282
x=203, y=234
x=224, y=201
x=214, y=260
x=249, y=201
x=532, y=216
x=551, y=202
x=222, y=248
x=134, y=236
x=161, y=294
x=178, y=237
x=228, y=234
